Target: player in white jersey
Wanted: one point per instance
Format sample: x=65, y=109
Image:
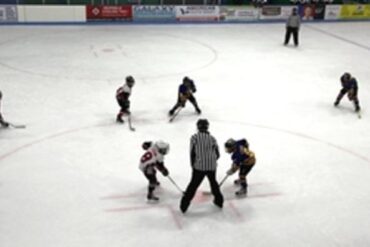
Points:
x=122, y=95
x=151, y=161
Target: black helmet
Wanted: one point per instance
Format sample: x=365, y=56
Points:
x=185, y=79
x=346, y=77
x=203, y=124
x=230, y=144
x=130, y=81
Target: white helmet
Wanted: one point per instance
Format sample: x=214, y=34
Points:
x=162, y=147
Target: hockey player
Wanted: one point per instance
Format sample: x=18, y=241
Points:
x=3, y=123
x=186, y=91
x=243, y=160
x=152, y=160
x=349, y=87
x=122, y=95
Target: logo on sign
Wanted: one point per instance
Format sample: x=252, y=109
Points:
x=184, y=11
x=95, y=11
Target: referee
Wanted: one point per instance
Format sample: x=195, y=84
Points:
x=204, y=154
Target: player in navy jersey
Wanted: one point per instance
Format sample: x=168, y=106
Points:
x=186, y=91
x=349, y=87
x=122, y=95
x=3, y=123
x=243, y=160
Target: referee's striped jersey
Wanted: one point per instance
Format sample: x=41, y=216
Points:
x=204, y=151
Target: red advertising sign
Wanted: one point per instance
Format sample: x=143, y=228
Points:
x=108, y=12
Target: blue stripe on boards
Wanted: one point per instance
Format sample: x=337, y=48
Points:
x=97, y=23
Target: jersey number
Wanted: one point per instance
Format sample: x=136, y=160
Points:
x=147, y=156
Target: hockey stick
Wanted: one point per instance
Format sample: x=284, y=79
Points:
x=221, y=183
x=129, y=123
x=174, y=183
x=224, y=179
x=17, y=126
x=175, y=114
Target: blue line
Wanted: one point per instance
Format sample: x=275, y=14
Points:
x=340, y=38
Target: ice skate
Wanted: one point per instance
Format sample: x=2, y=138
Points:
x=242, y=192
x=152, y=199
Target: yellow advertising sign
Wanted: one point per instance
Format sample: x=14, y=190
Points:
x=360, y=11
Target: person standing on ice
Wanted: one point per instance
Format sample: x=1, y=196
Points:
x=204, y=154
x=292, y=27
x=122, y=96
x=3, y=123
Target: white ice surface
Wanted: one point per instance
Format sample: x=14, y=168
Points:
x=71, y=178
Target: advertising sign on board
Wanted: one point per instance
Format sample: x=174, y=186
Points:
x=276, y=12
x=231, y=13
x=108, y=12
x=356, y=11
x=310, y=12
x=197, y=13
x=154, y=13
x=8, y=13
x=332, y=12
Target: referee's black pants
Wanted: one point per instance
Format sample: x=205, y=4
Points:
x=196, y=179
x=289, y=31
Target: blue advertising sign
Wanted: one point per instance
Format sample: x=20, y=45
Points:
x=154, y=13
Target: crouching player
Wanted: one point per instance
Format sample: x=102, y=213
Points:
x=3, y=123
x=152, y=160
x=243, y=160
x=349, y=87
x=186, y=92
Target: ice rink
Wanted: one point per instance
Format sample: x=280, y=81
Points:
x=71, y=177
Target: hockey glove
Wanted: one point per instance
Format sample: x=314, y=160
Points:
x=146, y=145
x=165, y=172
x=4, y=124
x=126, y=104
x=231, y=171
x=162, y=169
